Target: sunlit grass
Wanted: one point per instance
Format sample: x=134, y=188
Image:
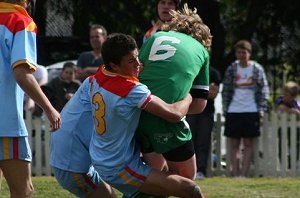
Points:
x=215, y=187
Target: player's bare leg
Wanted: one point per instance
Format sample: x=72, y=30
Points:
x=1, y=177
x=163, y=183
x=19, y=182
x=187, y=168
x=155, y=160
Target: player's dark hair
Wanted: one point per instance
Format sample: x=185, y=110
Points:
x=115, y=47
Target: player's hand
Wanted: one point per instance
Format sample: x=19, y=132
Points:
x=213, y=91
x=54, y=118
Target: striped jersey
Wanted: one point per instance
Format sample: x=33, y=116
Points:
x=117, y=102
x=17, y=46
x=69, y=145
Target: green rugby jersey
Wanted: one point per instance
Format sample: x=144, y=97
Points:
x=173, y=64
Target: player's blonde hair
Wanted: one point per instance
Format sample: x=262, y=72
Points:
x=187, y=21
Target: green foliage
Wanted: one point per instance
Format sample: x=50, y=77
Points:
x=272, y=26
x=274, y=29
x=130, y=17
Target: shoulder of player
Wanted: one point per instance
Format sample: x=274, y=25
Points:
x=19, y=22
x=119, y=85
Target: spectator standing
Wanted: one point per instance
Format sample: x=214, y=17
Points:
x=60, y=89
x=202, y=125
x=17, y=63
x=163, y=8
x=245, y=97
x=288, y=101
x=88, y=62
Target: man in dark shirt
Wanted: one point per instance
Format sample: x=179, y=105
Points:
x=88, y=62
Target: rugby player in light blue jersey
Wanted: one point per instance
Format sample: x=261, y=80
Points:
x=69, y=148
x=17, y=63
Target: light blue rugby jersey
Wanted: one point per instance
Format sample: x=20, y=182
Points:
x=69, y=147
x=117, y=104
x=17, y=45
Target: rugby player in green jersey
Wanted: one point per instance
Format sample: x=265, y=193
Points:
x=176, y=61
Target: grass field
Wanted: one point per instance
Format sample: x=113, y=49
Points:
x=215, y=187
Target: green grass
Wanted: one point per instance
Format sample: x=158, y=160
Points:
x=215, y=187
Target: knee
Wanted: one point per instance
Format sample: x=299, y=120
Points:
x=193, y=191
x=25, y=192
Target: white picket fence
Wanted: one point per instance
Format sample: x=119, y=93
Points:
x=276, y=154
x=39, y=139
x=277, y=150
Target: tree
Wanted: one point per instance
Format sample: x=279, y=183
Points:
x=273, y=27
x=131, y=17
x=209, y=12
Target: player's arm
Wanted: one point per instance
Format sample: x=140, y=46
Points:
x=27, y=82
x=197, y=106
x=200, y=88
x=170, y=112
x=199, y=100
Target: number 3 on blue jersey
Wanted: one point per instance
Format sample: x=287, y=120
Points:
x=99, y=104
x=168, y=50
